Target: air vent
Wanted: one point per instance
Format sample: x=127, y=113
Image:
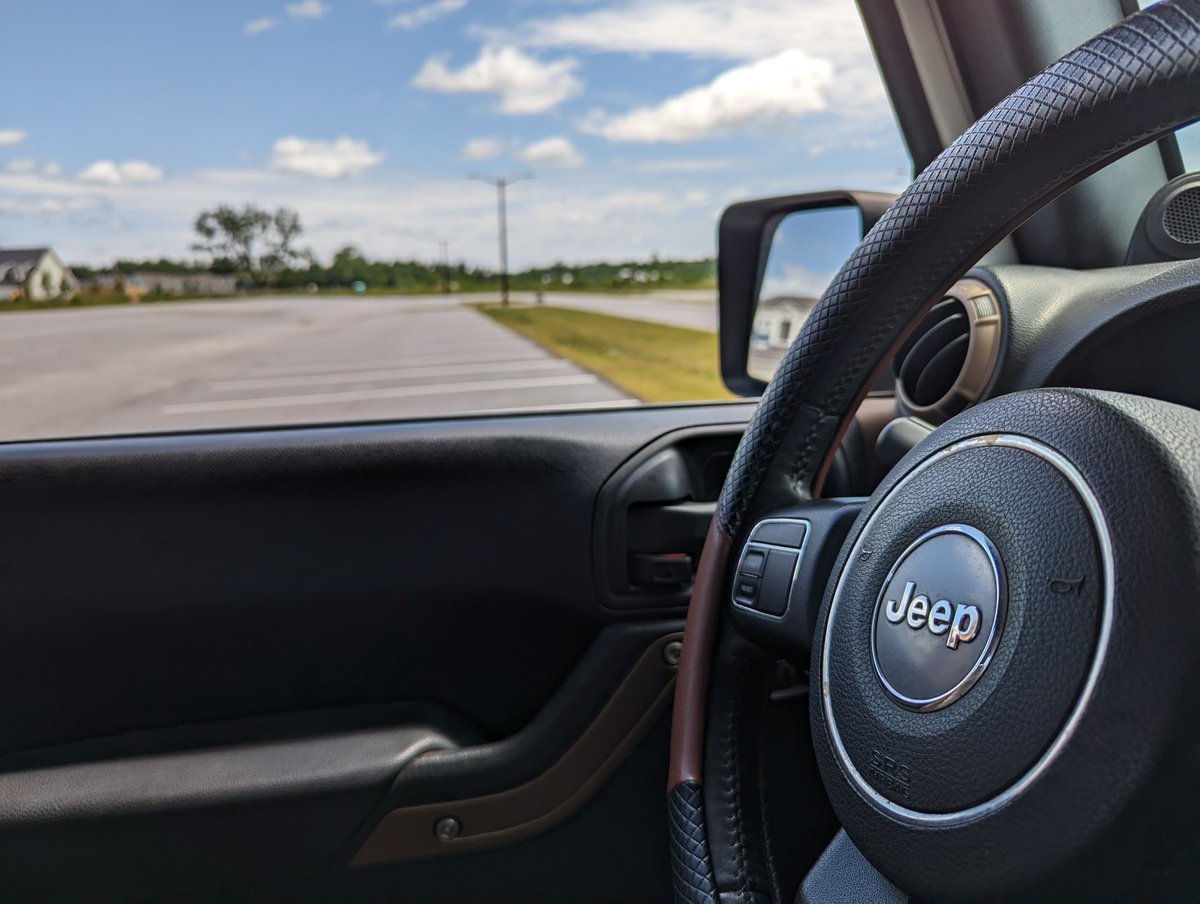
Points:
x=949, y=359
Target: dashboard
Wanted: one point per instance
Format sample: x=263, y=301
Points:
x=1008, y=328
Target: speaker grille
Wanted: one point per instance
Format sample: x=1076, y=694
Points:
x=1181, y=219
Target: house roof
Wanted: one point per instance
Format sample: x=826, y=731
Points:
x=21, y=257
x=15, y=263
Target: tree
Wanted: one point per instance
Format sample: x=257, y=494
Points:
x=251, y=241
x=280, y=239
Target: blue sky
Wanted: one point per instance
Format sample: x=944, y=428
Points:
x=640, y=120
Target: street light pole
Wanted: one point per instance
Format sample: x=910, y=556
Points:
x=502, y=217
x=502, y=183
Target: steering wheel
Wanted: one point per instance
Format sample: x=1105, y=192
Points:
x=1003, y=644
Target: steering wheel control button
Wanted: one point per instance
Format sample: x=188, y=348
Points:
x=780, y=532
x=754, y=562
x=777, y=581
x=939, y=617
x=746, y=591
x=768, y=567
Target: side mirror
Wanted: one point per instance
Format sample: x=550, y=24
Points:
x=775, y=258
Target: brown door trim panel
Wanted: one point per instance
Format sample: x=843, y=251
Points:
x=507, y=816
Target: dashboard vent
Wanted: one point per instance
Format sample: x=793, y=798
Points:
x=930, y=362
x=949, y=359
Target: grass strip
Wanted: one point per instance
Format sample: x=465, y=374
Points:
x=652, y=361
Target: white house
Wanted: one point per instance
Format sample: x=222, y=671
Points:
x=777, y=321
x=34, y=273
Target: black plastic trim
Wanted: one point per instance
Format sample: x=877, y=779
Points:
x=679, y=496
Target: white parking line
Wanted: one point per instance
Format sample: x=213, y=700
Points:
x=398, y=352
x=395, y=373
x=364, y=395
x=289, y=368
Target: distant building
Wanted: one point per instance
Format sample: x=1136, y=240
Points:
x=183, y=283
x=778, y=320
x=34, y=273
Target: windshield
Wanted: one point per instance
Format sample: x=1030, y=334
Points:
x=397, y=208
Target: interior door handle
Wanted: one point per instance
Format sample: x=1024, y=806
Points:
x=679, y=527
x=665, y=541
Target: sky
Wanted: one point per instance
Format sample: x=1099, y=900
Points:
x=807, y=247
x=639, y=120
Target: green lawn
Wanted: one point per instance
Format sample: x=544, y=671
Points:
x=654, y=362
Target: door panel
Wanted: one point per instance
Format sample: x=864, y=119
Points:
x=221, y=651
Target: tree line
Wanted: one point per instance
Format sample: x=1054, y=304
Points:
x=262, y=249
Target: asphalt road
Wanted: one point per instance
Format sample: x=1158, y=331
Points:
x=286, y=360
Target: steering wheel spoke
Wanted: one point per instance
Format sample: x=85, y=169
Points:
x=782, y=569
x=842, y=875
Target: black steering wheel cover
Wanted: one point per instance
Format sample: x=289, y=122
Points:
x=1118, y=91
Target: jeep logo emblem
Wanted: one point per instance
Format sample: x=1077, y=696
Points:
x=938, y=618
x=959, y=623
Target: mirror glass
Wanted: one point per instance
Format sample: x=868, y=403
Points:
x=807, y=249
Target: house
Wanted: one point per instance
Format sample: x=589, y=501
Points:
x=34, y=273
x=777, y=320
x=183, y=283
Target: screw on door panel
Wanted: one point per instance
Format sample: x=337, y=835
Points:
x=671, y=653
x=447, y=828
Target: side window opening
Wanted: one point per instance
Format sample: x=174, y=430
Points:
x=367, y=214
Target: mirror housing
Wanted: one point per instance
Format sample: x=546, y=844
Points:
x=744, y=241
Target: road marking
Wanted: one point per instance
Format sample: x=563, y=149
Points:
x=364, y=395
x=328, y=368
x=399, y=356
x=318, y=344
x=396, y=373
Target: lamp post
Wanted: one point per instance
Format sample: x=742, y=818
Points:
x=502, y=183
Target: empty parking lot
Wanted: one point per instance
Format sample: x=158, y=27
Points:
x=195, y=365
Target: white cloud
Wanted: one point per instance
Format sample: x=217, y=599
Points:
x=423, y=15
x=479, y=149
x=325, y=159
x=796, y=280
x=128, y=172
x=684, y=165
x=525, y=84
x=738, y=30
x=308, y=9
x=777, y=88
x=9, y=137
x=556, y=151
x=25, y=166
x=26, y=207
x=258, y=26
x=706, y=29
